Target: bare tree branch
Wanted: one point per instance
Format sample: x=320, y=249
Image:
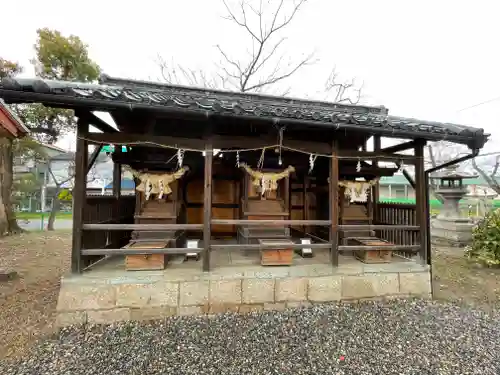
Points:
x=273, y=78
x=490, y=179
x=343, y=92
x=262, y=35
x=431, y=155
x=263, y=22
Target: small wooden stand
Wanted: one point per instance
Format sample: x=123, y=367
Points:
x=148, y=261
x=276, y=257
x=372, y=256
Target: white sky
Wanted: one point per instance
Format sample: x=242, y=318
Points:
x=426, y=59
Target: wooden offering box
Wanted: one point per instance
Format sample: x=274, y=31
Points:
x=372, y=256
x=145, y=262
x=276, y=257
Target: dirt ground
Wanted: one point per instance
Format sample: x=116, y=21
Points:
x=455, y=278
x=27, y=304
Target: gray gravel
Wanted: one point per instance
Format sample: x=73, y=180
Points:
x=398, y=337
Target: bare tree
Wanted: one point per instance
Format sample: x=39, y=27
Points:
x=59, y=182
x=265, y=63
x=343, y=92
x=490, y=177
x=177, y=74
x=442, y=152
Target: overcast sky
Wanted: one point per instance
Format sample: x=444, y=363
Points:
x=426, y=59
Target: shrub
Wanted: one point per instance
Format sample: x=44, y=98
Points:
x=485, y=247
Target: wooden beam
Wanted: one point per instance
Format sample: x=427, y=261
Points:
x=207, y=206
x=259, y=223
x=294, y=246
x=398, y=148
x=228, y=142
x=143, y=227
x=146, y=140
x=220, y=142
x=357, y=228
x=93, y=158
x=407, y=175
x=95, y=121
x=368, y=170
x=132, y=251
x=381, y=247
x=420, y=197
x=361, y=155
x=334, y=204
x=79, y=194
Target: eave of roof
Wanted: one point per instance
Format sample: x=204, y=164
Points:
x=66, y=155
x=55, y=148
x=13, y=120
x=115, y=93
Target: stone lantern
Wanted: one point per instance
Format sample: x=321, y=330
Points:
x=450, y=226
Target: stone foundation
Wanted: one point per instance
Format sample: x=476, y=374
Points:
x=107, y=297
x=449, y=232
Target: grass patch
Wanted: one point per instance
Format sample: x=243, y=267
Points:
x=38, y=215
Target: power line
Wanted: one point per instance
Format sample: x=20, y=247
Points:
x=489, y=154
x=479, y=104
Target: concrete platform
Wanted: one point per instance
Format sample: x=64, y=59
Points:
x=237, y=283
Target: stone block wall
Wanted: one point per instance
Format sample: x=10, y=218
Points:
x=138, y=296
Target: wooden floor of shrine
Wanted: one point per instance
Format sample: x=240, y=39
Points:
x=240, y=260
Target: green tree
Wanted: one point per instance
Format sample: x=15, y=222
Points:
x=62, y=58
x=56, y=57
x=65, y=195
x=9, y=68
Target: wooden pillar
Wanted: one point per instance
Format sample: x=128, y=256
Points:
x=93, y=157
x=286, y=197
x=421, y=197
x=334, y=205
x=428, y=221
x=117, y=175
x=117, y=187
x=207, y=206
x=79, y=194
x=246, y=192
x=305, y=201
x=377, y=145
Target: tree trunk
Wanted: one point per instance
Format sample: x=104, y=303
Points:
x=8, y=222
x=56, y=204
x=4, y=222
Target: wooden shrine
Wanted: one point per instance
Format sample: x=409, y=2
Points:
x=158, y=201
x=266, y=197
x=322, y=141
x=356, y=208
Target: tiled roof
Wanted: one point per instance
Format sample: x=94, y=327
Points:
x=11, y=122
x=114, y=93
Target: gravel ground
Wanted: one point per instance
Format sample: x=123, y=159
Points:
x=397, y=337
